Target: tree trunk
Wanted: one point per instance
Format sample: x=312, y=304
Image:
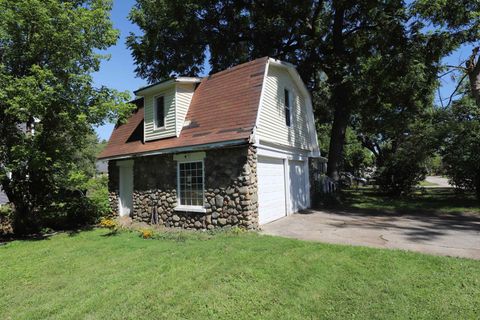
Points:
x=473, y=70
x=23, y=220
x=339, y=128
x=340, y=93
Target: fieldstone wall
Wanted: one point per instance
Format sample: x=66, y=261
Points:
x=230, y=190
x=113, y=186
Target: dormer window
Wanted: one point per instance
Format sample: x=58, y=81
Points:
x=288, y=107
x=165, y=106
x=159, y=112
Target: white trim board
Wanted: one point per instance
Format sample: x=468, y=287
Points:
x=199, y=147
x=192, y=208
x=260, y=103
x=164, y=84
x=284, y=152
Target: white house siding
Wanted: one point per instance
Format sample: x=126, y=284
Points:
x=271, y=125
x=184, y=97
x=169, y=130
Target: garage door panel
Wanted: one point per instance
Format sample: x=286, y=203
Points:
x=271, y=189
x=298, y=186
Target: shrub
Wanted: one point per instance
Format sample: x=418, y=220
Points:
x=6, y=214
x=97, y=192
x=86, y=204
x=400, y=175
x=461, y=151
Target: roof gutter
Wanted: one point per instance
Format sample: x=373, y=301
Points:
x=215, y=145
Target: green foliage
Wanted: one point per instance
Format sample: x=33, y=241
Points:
x=97, y=192
x=461, y=145
x=6, y=214
x=402, y=163
x=401, y=172
x=6, y=211
x=371, y=65
x=48, y=50
x=435, y=165
x=357, y=158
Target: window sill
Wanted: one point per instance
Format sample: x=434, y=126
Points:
x=198, y=209
x=160, y=129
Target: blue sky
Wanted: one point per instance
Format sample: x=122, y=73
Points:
x=118, y=72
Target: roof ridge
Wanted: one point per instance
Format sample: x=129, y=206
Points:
x=237, y=67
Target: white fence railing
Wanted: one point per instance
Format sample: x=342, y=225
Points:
x=327, y=185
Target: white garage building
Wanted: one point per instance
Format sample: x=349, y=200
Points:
x=286, y=138
x=190, y=140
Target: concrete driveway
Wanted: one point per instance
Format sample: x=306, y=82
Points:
x=449, y=235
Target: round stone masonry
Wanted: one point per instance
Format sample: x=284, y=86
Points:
x=230, y=191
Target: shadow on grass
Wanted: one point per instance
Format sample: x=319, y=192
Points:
x=75, y=232
x=6, y=238
x=111, y=233
x=424, y=201
x=423, y=216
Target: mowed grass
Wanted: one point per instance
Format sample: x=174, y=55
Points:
x=429, y=200
x=226, y=276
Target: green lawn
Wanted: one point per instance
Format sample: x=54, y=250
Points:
x=433, y=200
x=226, y=276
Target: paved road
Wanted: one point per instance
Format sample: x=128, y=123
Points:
x=449, y=235
x=440, y=182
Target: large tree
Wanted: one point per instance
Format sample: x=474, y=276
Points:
x=460, y=130
x=325, y=39
x=48, y=104
x=335, y=44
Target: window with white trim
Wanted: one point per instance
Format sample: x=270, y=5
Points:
x=190, y=179
x=159, y=113
x=288, y=107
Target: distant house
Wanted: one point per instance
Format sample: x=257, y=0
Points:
x=230, y=149
x=3, y=197
x=101, y=167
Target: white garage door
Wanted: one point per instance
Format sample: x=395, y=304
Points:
x=271, y=189
x=298, y=186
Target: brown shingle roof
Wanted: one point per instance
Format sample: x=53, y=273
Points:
x=223, y=108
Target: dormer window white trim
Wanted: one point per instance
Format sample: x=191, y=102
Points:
x=159, y=112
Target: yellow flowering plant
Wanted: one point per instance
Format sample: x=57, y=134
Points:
x=146, y=233
x=108, y=223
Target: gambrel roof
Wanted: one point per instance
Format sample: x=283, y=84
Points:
x=224, y=108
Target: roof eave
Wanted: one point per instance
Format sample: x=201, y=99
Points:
x=213, y=145
x=165, y=83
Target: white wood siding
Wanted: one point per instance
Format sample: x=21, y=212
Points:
x=184, y=97
x=169, y=130
x=271, y=125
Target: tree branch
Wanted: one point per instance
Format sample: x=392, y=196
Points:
x=456, y=89
x=361, y=27
x=440, y=97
